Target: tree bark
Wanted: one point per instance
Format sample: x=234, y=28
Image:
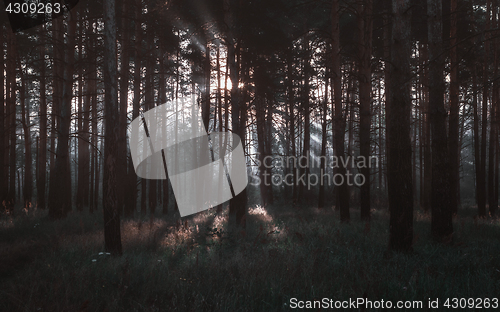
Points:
x=454, y=112
x=237, y=205
x=11, y=115
x=492, y=150
x=150, y=102
x=112, y=236
x=82, y=193
x=25, y=121
x=162, y=100
x=323, y=170
x=342, y=190
x=3, y=133
x=291, y=113
x=427, y=183
x=94, y=167
x=59, y=200
x=365, y=85
x=207, y=69
x=122, y=154
x=132, y=182
x=398, y=132
x=304, y=190
x=441, y=224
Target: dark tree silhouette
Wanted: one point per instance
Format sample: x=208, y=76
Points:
x=112, y=236
x=441, y=226
x=399, y=169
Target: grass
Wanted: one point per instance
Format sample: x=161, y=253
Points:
x=202, y=266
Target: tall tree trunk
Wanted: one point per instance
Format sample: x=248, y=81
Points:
x=112, y=236
x=365, y=86
x=291, y=113
x=94, y=168
x=11, y=114
x=454, y=111
x=150, y=102
x=219, y=95
x=398, y=132
x=441, y=225
x=492, y=151
x=79, y=112
x=57, y=84
x=338, y=140
x=481, y=200
x=267, y=142
x=237, y=205
x=381, y=150
x=82, y=192
x=387, y=18
x=496, y=103
x=260, y=114
x=59, y=200
x=205, y=105
x=132, y=182
x=304, y=188
x=3, y=136
x=218, y=114
x=484, y=123
x=162, y=100
x=323, y=170
x=121, y=161
x=427, y=188
x=25, y=121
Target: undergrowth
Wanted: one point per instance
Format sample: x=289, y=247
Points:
x=202, y=265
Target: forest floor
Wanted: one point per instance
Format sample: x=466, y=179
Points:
x=285, y=253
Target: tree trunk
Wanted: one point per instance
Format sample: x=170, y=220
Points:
x=304, y=188
x=94, y=168
x=237, y=205
x=387, y=18
x=82, y=193
x=427, y=188
x=59, y=200
x=291, y=113
x=494, y=135
x=121, y=161
x=150, y=102
x=207, y=69
x=132, y=182
x=338, y=140
x=3, y=136
x=454, y=113
x=365, y=85
x=112, y=236
x=492, y=151
x=398, y=132
x=323, y=169
x=484, y=122
x=219, y=96
x=11, y=114
x=441, y=225
x=267, y=142
x=162, y=100
x=260, y=115
x=25, y=121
